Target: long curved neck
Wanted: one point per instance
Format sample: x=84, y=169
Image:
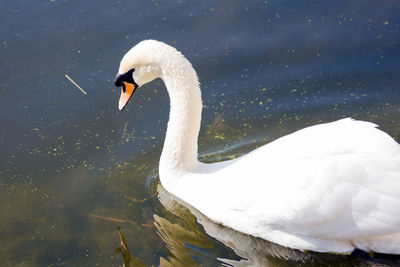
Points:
x=179, y=154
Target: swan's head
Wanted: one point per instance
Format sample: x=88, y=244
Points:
x=139, y=66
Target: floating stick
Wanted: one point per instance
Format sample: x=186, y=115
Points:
x=74, y=83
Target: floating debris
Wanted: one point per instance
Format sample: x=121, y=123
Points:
x=123, y=135
x=119, y=220
x=127, y=257
x=108, y=218
x=219, y=117
x=140, y=200
x=123, y=241
x=74, y=83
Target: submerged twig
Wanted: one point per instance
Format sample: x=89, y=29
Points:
x=138, y=224
x=118, y=220
x=127, y=257
x=108, y=218
x=220, y=117
x=140, y=200
x=122, y=239
x=74, y=83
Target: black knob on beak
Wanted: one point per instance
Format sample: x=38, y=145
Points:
x=118, y=80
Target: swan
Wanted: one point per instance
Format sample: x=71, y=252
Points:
x=332, y=187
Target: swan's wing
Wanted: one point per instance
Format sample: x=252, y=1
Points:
x=350, y=196
x=332, y=181
x=345, y=204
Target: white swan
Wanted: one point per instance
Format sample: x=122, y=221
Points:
x=329, y=188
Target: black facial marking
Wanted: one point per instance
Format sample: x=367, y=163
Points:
x=126, y=77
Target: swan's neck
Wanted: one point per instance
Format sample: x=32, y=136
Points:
x=179, y=154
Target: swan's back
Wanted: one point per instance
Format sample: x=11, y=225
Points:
x=340, y=137
x=328, y=187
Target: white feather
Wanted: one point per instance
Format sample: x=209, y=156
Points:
x=330, y=188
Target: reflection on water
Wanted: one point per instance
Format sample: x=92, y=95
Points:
x=72, y=165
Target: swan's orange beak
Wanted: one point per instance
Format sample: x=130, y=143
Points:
x=127, y=90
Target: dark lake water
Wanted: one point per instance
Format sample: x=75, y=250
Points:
x=73, y=168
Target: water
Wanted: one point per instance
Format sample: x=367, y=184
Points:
x=73, y=167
